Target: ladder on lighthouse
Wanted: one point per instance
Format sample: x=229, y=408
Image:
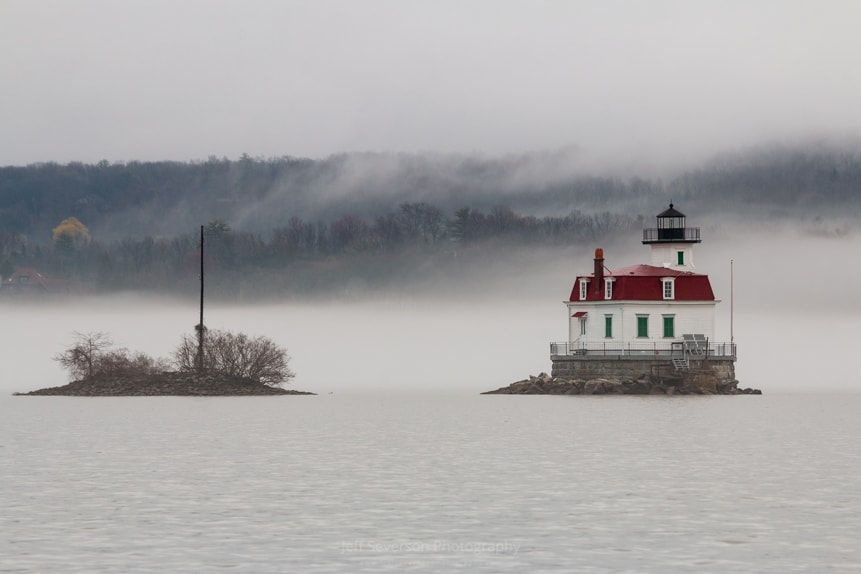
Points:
x=680, y=363
x=693, y=346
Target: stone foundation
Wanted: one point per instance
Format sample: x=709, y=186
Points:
x=631, y=375
x=587, y=367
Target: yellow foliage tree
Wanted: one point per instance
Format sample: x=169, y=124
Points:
x=71, y=234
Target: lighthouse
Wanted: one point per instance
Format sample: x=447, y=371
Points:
x=672, y=240
x=656, y=317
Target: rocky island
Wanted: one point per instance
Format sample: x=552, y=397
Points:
x=693, y=383
x=166, y=383
x=224, y=364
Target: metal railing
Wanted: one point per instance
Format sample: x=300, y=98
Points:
x=656, y=350
x=656, y=235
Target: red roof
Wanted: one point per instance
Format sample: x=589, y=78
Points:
x=28, y=280
x=643, y=283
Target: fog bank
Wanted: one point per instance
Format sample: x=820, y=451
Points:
x=794, y=298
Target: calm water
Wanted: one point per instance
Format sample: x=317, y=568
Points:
x=431, y=483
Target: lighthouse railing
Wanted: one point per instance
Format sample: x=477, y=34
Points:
x=655, y=235
x=653, y=349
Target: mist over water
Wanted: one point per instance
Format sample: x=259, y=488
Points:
x=795, y=304
x=349, y=346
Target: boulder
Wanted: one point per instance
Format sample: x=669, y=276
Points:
x=638, y=387
x=701, y=381
x=596, y=386
x=613, y=387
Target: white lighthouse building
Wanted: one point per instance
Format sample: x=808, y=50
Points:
x=663, y=311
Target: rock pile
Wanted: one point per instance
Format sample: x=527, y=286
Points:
x=692, y=384
x=165, y=383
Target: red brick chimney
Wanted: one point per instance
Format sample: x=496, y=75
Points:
x=599, y=269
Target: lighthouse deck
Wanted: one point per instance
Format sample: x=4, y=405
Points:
x=686, y=348
x=678, y=235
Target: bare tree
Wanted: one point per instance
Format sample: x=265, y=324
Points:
x=236, y=354
x=421, y=221
x=81, y=359
x=347, y=230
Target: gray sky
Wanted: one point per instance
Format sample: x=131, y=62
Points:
x=649, y=80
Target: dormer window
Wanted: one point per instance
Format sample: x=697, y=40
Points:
x=608, y=288
x=668, y=290
x=584, y=285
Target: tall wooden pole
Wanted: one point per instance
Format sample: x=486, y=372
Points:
x=200, y=325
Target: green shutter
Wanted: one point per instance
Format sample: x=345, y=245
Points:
x=681, y=257
x=608, y=326
x=669, y=327
x=642, y=326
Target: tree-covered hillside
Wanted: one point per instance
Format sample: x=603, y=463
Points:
x=297, y=224
x=135, y=199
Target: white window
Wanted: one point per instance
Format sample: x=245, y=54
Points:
x=669, y=289
x=582, y=325
x=584, y=284
x=608, y=288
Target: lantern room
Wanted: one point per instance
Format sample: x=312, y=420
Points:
x=671, y=229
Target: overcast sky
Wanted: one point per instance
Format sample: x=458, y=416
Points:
x=86, y=80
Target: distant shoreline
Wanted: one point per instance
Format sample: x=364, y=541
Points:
x=166, y=383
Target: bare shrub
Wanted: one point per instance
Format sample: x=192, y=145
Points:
x=124, y=362
x=89, y=357
x=236, y=354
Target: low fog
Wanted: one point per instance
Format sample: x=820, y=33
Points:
x=795, y=302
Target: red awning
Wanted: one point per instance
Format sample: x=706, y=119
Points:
x=580, y=314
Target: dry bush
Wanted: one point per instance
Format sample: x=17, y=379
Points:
x=124, y=362
x=236, y=354
x=89, y=357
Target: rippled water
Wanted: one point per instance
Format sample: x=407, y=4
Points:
x=430, y=483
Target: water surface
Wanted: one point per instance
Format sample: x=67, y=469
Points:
x=424, y=482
